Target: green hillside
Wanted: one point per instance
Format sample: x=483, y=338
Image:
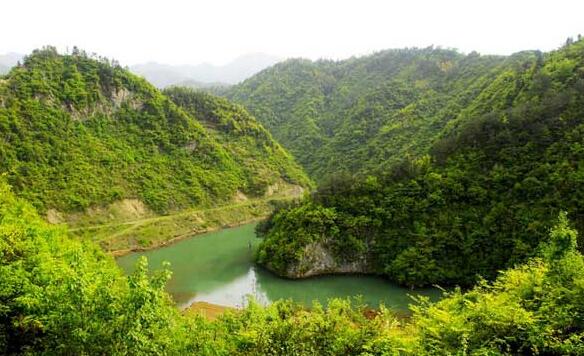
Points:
x=368, y=113
x=482, y=199
x=434, y=168
x=250, y=145
x=78, y=132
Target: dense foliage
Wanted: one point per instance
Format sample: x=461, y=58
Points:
x=482, y=200
x=464, y=162
x=77, y=131
x=63, y=296
x=366, y=114
x=536, y=308
x=66, y=297
x=250, y=145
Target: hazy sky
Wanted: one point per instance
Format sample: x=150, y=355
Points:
x=173, y=31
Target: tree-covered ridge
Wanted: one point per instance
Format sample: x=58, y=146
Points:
x=366, y=114
x=78, y=131
x=482, y=200
x=62, y=296
x=250, y=145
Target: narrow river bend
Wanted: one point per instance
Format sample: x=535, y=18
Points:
x=217, y=268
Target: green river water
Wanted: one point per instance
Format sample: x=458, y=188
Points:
x=217, y=268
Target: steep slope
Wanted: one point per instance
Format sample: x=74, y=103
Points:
x=250, y=145
x=78, y=132
x=482, y=200
x=366, y=114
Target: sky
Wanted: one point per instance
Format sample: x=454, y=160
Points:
x=217, y=31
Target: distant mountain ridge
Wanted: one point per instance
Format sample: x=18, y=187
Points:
x=164, y=75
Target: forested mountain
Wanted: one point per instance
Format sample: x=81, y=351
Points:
x=478, y=190
x=442, y=168
x=78, y=132
x=499, y=168
x=366, y=114
x=164, y=75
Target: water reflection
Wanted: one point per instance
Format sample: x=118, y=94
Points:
x=235, y=293
x=217, y=268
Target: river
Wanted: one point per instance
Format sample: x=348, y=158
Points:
x=218, y=268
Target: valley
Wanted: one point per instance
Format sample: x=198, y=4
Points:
x=415, y=201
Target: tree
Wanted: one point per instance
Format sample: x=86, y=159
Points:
x=562, y=239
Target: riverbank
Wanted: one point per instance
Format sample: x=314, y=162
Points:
x=191, y=233
x=146, y=231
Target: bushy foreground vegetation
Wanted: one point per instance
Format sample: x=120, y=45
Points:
x=63, y=296
x=482, y=200
x=78, y=132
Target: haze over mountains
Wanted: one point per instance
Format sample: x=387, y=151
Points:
x=201, y=75
x=8, y=60
x=254, y=178
x=163, y=75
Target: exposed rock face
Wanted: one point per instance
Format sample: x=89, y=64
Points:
x=120, y=210
x=240, y=197
x=130, y=208
x=318, y=260
x=54, y=216
x=120, y=96
x=191, y=146
x=124, y=96
x=106, y=107
x=284, y=188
